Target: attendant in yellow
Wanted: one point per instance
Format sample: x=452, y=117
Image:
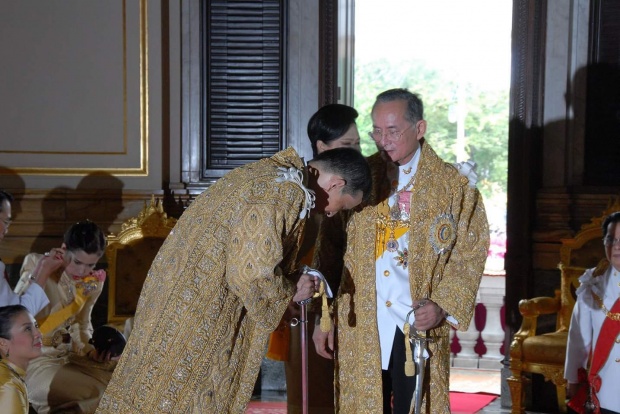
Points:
x=222, y=281
x=20, y=342
x=70, y=375
x=421, y=242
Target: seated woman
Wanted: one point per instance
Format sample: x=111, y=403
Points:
x=595, y=331
x=20, y=342
x=70, y=376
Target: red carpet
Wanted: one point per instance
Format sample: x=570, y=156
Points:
x=266, y=407
x=460, y=403
x=465, y=403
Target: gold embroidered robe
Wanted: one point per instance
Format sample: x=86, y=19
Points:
x=450, y=279
x=215, y=291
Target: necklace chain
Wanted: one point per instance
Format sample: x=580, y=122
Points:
x=614, y=316
x=409, y=184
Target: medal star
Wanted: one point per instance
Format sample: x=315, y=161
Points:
x=402, y=258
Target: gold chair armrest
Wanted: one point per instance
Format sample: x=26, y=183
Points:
x=532, y=308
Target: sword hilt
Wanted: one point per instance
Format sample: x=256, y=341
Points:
x=420, y=340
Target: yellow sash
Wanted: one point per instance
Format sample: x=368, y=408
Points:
x=55, y=319
x=387, y=228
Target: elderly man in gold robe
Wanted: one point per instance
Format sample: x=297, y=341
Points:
x=223, y=280
x=420, y=243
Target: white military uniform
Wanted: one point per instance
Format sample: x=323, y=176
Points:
x=392, y=277
x=585, y=326
x=34, y=299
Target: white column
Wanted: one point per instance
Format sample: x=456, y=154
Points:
x=467, y=358
x=492, y=292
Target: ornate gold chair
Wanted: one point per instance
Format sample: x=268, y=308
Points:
x=130, y=254
x=545, y=354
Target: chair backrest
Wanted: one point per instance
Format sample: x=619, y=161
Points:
x=577, y=254
x=130, y=254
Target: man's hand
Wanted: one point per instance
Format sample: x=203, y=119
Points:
x=307, y=286
x=427, y=314
x=321, y=339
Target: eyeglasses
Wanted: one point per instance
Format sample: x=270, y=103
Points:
x=392, y=134
x=6, y=223
x=610, y=241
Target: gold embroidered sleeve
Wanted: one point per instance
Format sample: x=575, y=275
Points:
x=456, y=292
x=255, y=252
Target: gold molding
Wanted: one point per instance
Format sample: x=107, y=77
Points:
x=143, y=169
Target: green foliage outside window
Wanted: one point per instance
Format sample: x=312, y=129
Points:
x=486, y=120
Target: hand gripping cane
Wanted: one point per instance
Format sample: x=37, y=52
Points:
x=303, y=320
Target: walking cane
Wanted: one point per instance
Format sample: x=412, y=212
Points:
x=303, y=320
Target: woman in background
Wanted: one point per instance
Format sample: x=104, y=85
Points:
x=70, y=376
x=332, y=126
x=20, y=342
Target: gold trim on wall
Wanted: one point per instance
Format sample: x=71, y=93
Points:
x=143, y=169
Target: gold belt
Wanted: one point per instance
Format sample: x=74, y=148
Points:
x=61, y=336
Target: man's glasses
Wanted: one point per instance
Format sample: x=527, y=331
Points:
x=610, y=241
x=6, y=223
x=392, y=135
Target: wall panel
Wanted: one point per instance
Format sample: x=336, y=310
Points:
x=80, y=91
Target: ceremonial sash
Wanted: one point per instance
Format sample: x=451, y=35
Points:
x=606, y=339
x=55, y=319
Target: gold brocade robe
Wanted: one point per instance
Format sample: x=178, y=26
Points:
x=450, y=279
x=215, y=291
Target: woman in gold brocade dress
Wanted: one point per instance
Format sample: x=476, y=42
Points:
x=20, y=342
x=70, y=376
